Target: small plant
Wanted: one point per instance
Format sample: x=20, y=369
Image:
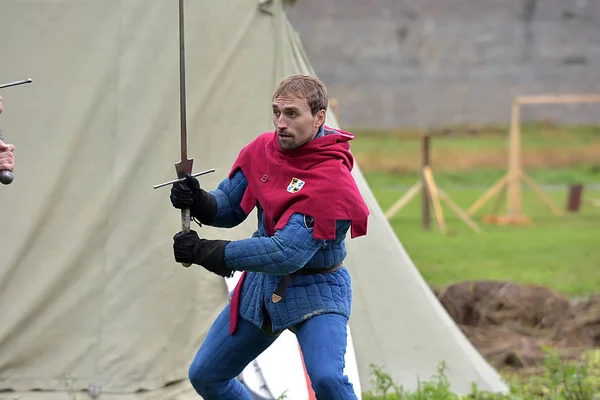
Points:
x=437, y=388
x=383, y=384
x=560, y=380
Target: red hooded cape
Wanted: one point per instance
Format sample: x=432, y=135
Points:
x=314, y=179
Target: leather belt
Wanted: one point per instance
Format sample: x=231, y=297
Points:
x=286, y=280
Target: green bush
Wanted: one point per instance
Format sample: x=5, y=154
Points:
x=559, y=380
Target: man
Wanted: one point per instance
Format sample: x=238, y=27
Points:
x=7, y=158
x=299, y=178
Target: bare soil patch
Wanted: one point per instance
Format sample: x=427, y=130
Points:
x=510, y=323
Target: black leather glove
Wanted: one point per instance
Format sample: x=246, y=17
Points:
x=188, y=194
x=210, y=254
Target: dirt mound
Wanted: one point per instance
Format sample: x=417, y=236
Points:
x=511, y=323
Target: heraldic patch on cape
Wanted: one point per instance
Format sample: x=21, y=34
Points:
x=314, y=179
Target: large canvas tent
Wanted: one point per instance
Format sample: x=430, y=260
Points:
x=90, y=297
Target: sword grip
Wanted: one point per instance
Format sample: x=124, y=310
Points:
x=185, y=226
x=6, y=177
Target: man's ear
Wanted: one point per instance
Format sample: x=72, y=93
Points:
x=321, y=114
x=320, y=119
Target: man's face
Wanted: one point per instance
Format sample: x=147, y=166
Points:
x=294, y=122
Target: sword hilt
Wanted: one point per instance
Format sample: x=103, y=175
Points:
x=182, y=167
x=6, y=177
x=185, y=212
x=185, y=226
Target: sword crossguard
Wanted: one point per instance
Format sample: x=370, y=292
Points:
x=208, y=171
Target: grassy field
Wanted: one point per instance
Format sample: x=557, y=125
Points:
x=558, y=252
x=551, y=154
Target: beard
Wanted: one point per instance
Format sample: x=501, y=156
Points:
x=287, y=142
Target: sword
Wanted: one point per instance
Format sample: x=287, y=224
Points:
x=15, y=83
x=184, y=166
x=6, y=177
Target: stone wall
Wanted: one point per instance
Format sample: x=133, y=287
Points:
x=437, y=62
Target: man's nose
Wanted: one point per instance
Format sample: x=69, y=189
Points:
x=281, y=123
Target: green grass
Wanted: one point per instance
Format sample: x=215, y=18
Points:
x=484, y=177
x=534, y=135
x=558, y=252
x=571, y=154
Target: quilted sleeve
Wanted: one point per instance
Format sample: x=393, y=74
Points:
x=286, y=251
x=229, y=195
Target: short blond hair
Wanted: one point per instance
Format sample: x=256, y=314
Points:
x=305, y=87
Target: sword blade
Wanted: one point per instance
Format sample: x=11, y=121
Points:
x=182, y=94
x=15, y=83
x=184, y=165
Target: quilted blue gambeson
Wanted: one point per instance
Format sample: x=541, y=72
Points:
x=267, y=259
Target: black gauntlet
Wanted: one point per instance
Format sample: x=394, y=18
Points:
x=210, y=254
x=189, y=194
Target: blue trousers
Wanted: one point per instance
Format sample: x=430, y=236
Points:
x=222, y=357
